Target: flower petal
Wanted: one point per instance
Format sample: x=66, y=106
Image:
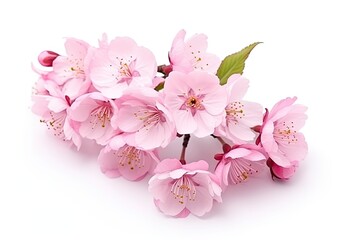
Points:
x=202, y=203
x=108, y=163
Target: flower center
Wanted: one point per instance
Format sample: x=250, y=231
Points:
x=149, y=117
x=285, y=132
x=56, y=123
x=126, y=69
x=192, y=102
x=77, y=67
x=235, y=111
x=102, y=115
x=241, y=169
x=184, y=189
x=129, y=156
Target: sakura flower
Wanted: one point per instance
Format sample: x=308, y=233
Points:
x=73, y=65
x=241, y=115
x=143, y=118
x=240, y=162
x=182, y=189
x=280, y=134
x=93, y=112
x=186, y=56
x=53, y=110
x=282, y=173
x=69, y=72
x=196, y=100
x=119, y=159
x=120, y=64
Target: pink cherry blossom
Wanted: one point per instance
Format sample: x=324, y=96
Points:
x=196, y=100
x=282, y=173
x=143, y=118
x=93, y=112
x=182, y=189
x=241, y=115
x=119, y=159
x=280, y=134
x=72, y=66
x=121, y=64
x=69, y=72
x=241, y=162
x=52, y=108
x=186, y=56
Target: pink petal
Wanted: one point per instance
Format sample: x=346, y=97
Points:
x=195, y=80
x=225, y=173
x=237, y=86
x=238, y=153
x=71, y=134
x=146, y=63
x=284, y=103
x=183, y=214
x=76, y=48
x=108, y=162
x=116, y=142
x=92, y=131
x=198, y=42
x=108, y=133
x=171, y=206
x=82, y=107
x=159, y=188
x=296, y=117
x=253, y=114
x=40, y=106
x=128, y=122
x=281, y=109
x=199, y=165
x=215, y=102
x=75, y=87
x=255, y=156
x=239, y=132
x=167, y=165
x=175, y=83
x=150, y=138
x=57, y=104
x=185, y=122
x=280, y=159
x=267, y=138
x=205, y=124
x=207, y=62
x=113, y=92
x=202, y=203
x=177, y=173
x=122, y=47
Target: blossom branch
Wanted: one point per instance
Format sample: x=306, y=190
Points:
x=226, y=147
x=185, y=144
x=219, y=138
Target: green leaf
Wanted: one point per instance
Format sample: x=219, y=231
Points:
x=234, y=63
x=160, y=86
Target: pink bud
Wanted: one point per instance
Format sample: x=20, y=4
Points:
x=226, y=148
x=281, y=172
x=219, y=156
x=46, y=58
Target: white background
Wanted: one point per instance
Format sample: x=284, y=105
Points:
x=311, y=50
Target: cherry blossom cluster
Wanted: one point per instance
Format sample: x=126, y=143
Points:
x=118, y=96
